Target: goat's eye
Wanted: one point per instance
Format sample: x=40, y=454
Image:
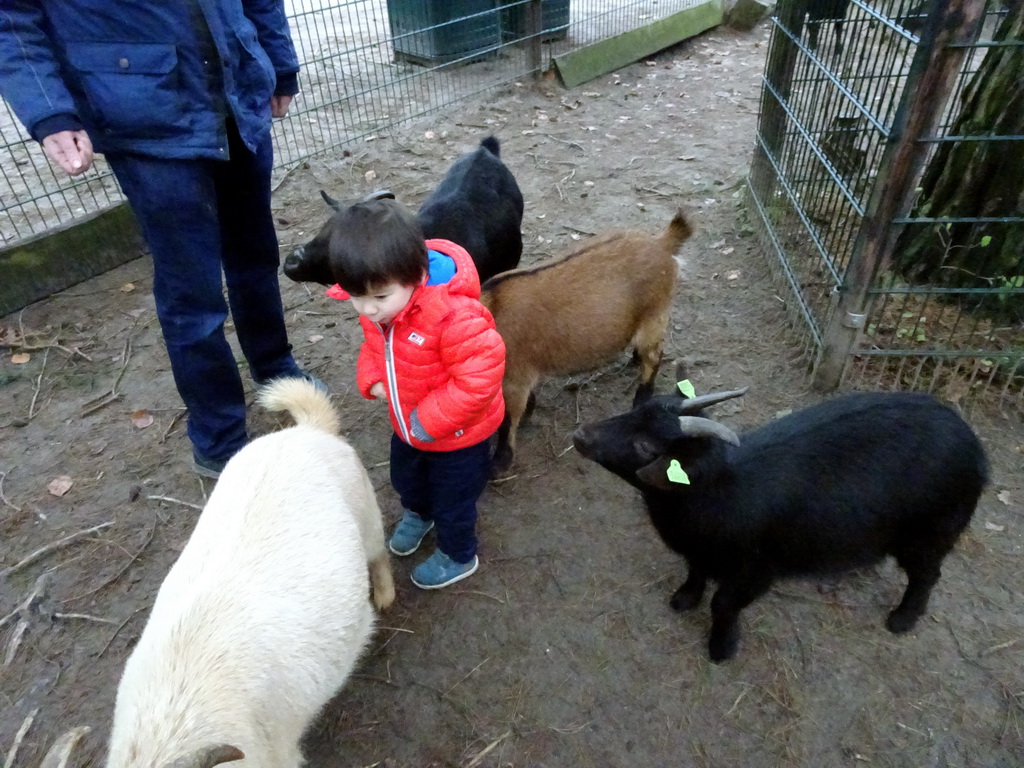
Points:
x=645, y=449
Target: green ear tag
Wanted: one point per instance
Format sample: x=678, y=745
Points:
x=687, y=388
x=676, y=473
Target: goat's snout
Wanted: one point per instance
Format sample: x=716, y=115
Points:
x=582, y=441
x=294, y=261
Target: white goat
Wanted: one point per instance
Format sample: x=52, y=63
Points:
x=262, y=618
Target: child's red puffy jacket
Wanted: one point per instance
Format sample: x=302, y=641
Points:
x=441, y=356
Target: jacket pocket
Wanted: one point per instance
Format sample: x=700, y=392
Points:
x=133, y=89
x=255, y=75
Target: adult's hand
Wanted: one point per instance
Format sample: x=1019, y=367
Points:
x=71, y=150
x=279, y=105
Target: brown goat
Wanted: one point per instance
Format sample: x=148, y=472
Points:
x=577, y=312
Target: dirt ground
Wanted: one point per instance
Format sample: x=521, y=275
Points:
x=562, y=650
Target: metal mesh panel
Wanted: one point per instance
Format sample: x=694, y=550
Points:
x=366, y=65
x=835, y=102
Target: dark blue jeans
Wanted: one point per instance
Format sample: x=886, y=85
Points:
x=199, y=218
x=443, y=486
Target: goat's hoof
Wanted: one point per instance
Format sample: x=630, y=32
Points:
x=899, y=622
x=684, y=600
x=722, y=650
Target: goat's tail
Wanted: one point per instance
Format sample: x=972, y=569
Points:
x=307, y=405
x=491, y=145
x=679, y=229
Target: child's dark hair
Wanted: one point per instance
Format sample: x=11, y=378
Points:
x=379, y=242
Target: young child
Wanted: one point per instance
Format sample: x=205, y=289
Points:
x=431, y=349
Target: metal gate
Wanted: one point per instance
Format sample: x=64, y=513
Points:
x=898, y=278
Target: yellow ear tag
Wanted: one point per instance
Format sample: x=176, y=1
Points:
x=687, y=388
x=677, y=474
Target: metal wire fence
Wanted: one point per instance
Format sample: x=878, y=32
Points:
x=888, y=180
x=367, y=65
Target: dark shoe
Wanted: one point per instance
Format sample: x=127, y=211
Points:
x=205, y=467
x=319, y=385
x=439, y=571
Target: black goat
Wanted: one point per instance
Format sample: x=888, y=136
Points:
x=477, y=205
x=836, y=486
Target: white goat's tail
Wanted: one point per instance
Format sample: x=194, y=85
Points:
x=307, y=405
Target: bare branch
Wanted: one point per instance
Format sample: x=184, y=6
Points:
x=19, y=737
x=60, y=752
x=60, y=544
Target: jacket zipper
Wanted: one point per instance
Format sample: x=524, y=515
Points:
x=389, y=366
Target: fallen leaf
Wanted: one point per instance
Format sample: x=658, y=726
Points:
x=60, y=485
x=719, y=244
x=315, y=338
x=21, y=358
x=142, y=419
x=1005, y=497
x=370, y=175
x=727, y=251
x=127, y=288
x=993, y=527
x=733, y=275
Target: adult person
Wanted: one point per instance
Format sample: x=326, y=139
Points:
x=179, y=97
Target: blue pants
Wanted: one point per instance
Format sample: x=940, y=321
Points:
x=200, y=217
x=443, y=486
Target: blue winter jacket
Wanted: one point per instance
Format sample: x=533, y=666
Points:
x=156, y=77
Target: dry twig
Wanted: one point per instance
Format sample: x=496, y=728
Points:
x=60, y=752
x=484, y=752
x=174, y=501
x=38, y=592
x=120, y=572
x=113, y=394
x=52, y=547
x=117, y=631
x=15, y=641
x=3, y=498
x=39, y=384
x=174, y=421
x=83, y=616
x=466, y=676
x=19, y=737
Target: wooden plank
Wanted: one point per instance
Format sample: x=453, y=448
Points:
x=583, y=64
x=37, y=268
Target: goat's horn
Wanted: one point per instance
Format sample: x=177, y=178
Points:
x=379, y=194
x=695, y=426
x=330, y=201
x=207, y=757
x=680, y=370
x=696, y=403
x=60, y=752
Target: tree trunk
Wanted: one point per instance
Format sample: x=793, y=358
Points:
x=976, y=179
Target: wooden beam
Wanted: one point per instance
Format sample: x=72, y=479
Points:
x=60, y=258
x=584, y=64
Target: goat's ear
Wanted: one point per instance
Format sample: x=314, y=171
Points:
x=658, y=475
x=207, y=757
x=330, y=201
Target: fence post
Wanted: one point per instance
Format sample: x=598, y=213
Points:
x=951, y=25
x=534, y=30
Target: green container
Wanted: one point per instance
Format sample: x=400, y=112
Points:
x=554, y=19
x=437, y=31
